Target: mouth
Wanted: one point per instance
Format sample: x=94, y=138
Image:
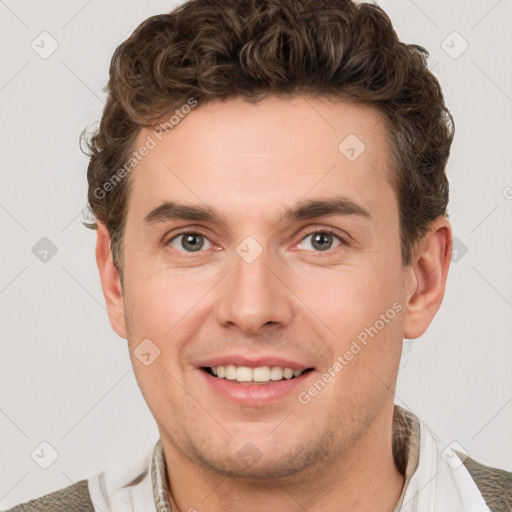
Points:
x=262, y=375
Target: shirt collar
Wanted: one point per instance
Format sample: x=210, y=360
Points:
x=160, y=479
x=436, y=479
x=406, y=445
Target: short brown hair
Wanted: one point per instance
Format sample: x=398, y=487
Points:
x=219, y=49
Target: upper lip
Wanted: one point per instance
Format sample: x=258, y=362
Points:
x=252, y=362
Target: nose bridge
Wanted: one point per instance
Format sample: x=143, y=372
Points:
x=253, y=296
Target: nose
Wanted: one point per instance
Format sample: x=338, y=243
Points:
x=253, y=295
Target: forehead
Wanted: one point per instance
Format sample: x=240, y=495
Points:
x=240, y=158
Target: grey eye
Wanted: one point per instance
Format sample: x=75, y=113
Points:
x=322, y=240
x=189, y=242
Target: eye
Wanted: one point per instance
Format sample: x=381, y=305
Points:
x=322, y=240
x=189, y=242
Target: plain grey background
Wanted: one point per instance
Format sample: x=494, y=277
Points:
x=66, y=377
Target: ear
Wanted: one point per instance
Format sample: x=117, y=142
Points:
x=428, y=274
x=110, y=281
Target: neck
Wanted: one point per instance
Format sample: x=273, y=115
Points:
x=363, y=478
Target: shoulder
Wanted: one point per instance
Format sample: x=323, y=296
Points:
x=75, y=497
x=495, y=484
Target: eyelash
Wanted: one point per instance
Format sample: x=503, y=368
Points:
x=332, y=232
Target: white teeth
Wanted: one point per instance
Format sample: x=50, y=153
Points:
x=288, y=373
x=260, y=374
x=230, y=371
x=276, y=373
x=243, y=374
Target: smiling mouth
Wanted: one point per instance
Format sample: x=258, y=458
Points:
x=254, y=376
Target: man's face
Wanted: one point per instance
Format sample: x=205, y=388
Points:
x=259, y=288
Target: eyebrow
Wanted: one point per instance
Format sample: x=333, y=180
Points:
x=340, y=206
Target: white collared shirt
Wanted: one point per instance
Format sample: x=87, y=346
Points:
x=435, y=478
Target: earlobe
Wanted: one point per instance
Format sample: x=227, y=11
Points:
x=110, y=281
x=431, y=263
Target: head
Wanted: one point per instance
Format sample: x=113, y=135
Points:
x=300, y=149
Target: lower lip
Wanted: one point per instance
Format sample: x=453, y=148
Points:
x=256, y=394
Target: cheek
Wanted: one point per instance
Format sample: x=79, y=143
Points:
x=159, y=386
x=361, y=308
x=348, y=297
x=160, y=299
x=164, y=311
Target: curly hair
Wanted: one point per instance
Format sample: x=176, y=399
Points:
x=220, y=49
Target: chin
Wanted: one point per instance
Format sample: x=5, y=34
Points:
x=264, y=459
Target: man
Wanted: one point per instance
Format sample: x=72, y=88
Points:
x=268, y=183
